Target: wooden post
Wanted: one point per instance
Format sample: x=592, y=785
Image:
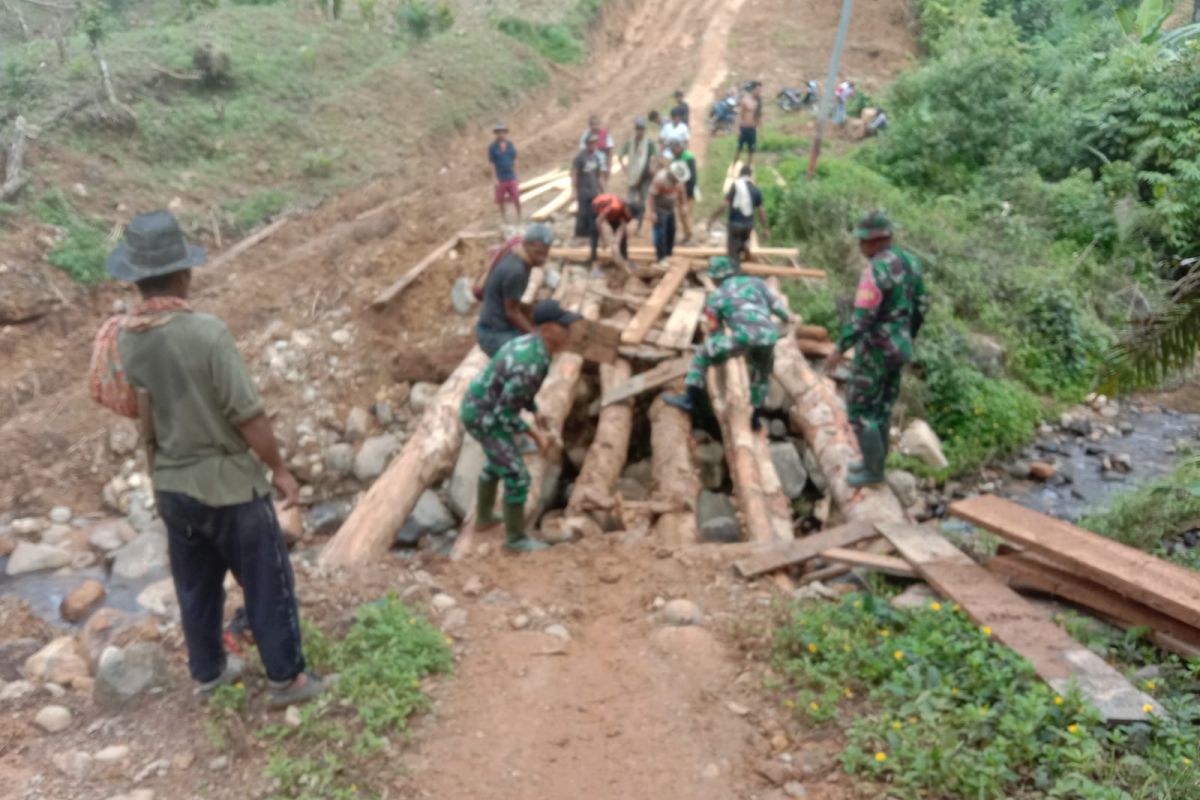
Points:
x=675, y=480
x=392, y=292
x=426, y=459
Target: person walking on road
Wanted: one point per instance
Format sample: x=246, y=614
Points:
x=749, y=121
x=503, y=317
x=503, y=156
x=685, y=112
x=666, y=193
x=745, y=202
x=491, y=412
x=745, y=305
x=675, y=133
x=211, y=445
x=587, y=179
x=889, y=308
x=637, y=159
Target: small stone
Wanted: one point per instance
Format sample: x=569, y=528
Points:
x=382, y=410
x=30, y=557
x=53, y=719
x=737, y=708
x=1122, y=462
x=219, y=763
x=920, y=441
x=60, y=515
x=454, y=620
x=520, y=622
x=358, y=424
x=1042, y=471
x=462, y=297
x=111, y=534
x=473, y=586
x=184, y=760
x=442, y=602
x=124, y=674
x=918, y=595
x=341, y=336
x=711, y=772
x=681, y=612
x=710, y=463
x=558, y=632
x=421, y=396
x=326, y=518
x=339, y=459
x=122, y=437
x=374, y=456
x=112, y=754
x=28, y=526
x=428, y=517
x=73, y=763
x=777, y=429
x=80, y=602
x=291, y=717
x=15, y=690
x=159, y=598
x=57, y=662
x=794, y=789
x=904, y=486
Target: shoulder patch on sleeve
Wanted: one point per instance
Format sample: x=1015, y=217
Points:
x=868, y=294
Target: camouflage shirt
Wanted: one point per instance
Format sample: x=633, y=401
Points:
x=889, y=306
x=507, y=386
x=745, y=304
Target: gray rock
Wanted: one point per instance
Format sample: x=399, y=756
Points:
x=777, y=429
x=721, y=530
x=710, y=461
x=374, y=456
x=809, y=459
x=124, y=674
x=111, y=534
x=1076, y=421
x=383, y=412
x=29, y=526
x=17, y=690
x=141, y=510
x=681, y=612
x=73, y=763
x=442, y=602
x=1150, y=672
x=920, y=441
x=60, y=515
x=918, y=595
x=987, y=354
x=13, y=654
x=558, y=632
x=147, y=552
x=641, y=471
x=327, y=517
x=53, y=719
x=790, y=468
x=430, y=515
x=462, y=298
x=777, y=397
x=31, y=557
x=421, y=395
x=122, y=437
x=57, y=535
x=159, y=598
x=713, y=505
x=358, y=424
x=339, y=459
x=464, y=479
x=905, y=486
x=1018, y=470
x=631, y=489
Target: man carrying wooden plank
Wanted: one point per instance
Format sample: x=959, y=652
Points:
x=745, y=202
x=503, y=316
x=745, y=305
x=611, y=225
x=889, y=307
x=503, y=155
x=491, y=412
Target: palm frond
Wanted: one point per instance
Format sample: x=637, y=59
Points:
x=1158, y=344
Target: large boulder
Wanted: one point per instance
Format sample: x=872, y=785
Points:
x=904, y=486
x=124, y=674
x=790, y=468
x=919, y=441
x=717, y=518
x=26, y=293
x=374, y=456
x=429, y=516
x=146, y=553
x=465, y=477
x=31, y=557
x=710, y=463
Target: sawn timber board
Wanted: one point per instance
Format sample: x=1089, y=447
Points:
x=652, y=309
x=681, y=325
x=797, y=551
x=660, y=375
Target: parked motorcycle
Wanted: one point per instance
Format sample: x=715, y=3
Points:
x=791, y=99
x=723, y=115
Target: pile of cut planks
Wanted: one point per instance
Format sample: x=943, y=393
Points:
x=1044, y=555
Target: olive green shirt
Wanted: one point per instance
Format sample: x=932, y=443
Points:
x=200, y=391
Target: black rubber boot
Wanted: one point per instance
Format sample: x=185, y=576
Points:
x=757, y=420
x=514, y=527
x=485, y=503
x=871, y=446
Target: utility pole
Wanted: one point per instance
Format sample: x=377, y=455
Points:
x=827, y=93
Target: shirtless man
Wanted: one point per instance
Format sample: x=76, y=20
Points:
x=749, y=120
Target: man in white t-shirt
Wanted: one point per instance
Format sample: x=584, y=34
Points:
x=675, y=134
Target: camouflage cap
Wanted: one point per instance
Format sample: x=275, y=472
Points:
x=719, y=268
x=875, y=225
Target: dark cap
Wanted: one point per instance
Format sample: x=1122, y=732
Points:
x=875, y=225
x=499, y=126
x=551, y=311
x=679, y=92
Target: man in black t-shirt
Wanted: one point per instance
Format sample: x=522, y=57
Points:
x=744, y=201
x=504, y=316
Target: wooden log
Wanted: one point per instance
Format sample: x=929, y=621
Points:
x=680, y=328
x=565, y=197
x=250, y=241
x=610, y=446
x=888, y=565
x=819, y=414
x=392, y=292
x=815, y=332
x=768, y=271
x=652, y=309
x=660, y=375
x=675, y=475
x=1166, y=587
x=1027, y=571
x=703, y=252
x=1056, y=657
x=552, y=176
x=780, y=555
x=427, y=458
x=815, y=349
x=15, y=177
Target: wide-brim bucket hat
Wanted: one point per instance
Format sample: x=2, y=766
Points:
x=153, y=246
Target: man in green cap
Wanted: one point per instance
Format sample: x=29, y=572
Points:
x=889, y=307
x=491, y=412
x=745, y=305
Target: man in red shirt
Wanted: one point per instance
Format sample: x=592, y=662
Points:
x=613, y=216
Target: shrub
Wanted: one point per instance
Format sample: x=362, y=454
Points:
x=422, y=19
x=1058, y=355
x=249, y=213
x=81, y=254
x=1161, y=509
x=554, y=42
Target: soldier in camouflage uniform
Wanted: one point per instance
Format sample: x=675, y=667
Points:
x=491, y=412
x=889, y=307
x=745, y=305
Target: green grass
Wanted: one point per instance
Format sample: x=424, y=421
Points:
x=82, y=251
x=1159, y=510
x=247, y=214
x=934, y=707
x=563, y=41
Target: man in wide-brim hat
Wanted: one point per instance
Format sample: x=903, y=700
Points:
x=212, y=445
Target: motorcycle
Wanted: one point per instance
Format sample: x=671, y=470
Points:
x=790, y=99
x=723, y=115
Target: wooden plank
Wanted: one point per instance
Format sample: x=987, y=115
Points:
x=552, y=176
x=681, y=325
x=797, y=551
x=650, y=311
x=1166, y=587
x=547, y=188
x=1056, y=657
x=249, y=242
x=701, y=252
x=660, y=375
x=815, y=349
x=1025, y=570
x=889, y=565
x=817, y=332
x=644, y=352
x=565, y=197
x=595, y=341
x=392, y=292
x=769, y=271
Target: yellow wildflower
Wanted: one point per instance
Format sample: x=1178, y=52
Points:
x=814, y=705
x=1072, y=728
x=983, y=710
x=897, y=725
x=845, y=648
x=898, y=655
x=1058, y=701
x=881, y=756
x=987, y=631
x=956, y=607
x=812, y=648
x=789, y=703
x=954, y=690
x=884, y=632
x=912, y=720
x=1187, y=762
x=1147, y=708
x=847, y=692
x=1151, y=685
x=935, y=606
x=858, y=603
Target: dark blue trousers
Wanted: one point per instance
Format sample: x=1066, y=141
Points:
x=206, y=541
x=664, y=234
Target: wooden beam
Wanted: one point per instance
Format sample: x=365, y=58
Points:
x=701, y=252
x=392, y=292
x=888, y=565
x=652, y=309
x=814, y=349
x=1056, y=657
x=1027, y=571
x=556, y=186
x=781, y=555
x=660, y=375
x=250, y=241
x=769, y=271
x=1166, y=587
x=680, y=328
x=675, y=477
x=555, y=205
x=546, y=177
x=817, y=332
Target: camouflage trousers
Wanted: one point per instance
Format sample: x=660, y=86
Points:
x=504, y=461
x=720, y=347
x=872, y=390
